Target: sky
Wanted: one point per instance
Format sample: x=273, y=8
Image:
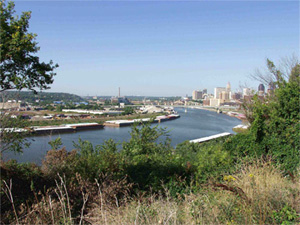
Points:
x=160, y=48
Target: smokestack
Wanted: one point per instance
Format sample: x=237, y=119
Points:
x=119, y=92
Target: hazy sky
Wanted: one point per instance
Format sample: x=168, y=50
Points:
x=160, y=48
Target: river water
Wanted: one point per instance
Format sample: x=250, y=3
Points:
x=195, y=123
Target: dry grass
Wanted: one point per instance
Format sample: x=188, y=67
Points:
x=265, y=189
x=251, y=196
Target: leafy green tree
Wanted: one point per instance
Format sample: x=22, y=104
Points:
x=55, y=144
x=19, y=66
x=12, y=133
x=59, y=108
x=128, y=110
x=50, y=107
x=275, y=122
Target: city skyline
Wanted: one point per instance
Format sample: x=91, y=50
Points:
x=160, y=48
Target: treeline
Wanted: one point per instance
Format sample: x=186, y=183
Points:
x=45, y=97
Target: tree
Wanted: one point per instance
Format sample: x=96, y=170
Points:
x=19, y=66
x=128, y=110
x=275, y=120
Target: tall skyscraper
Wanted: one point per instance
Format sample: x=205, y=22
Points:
x=228, y=87
x=224, y=95
x=271, y=88
x=219, y=90
x=197, y=95
x=236, y=96
x=246, y=91
x=261, y=90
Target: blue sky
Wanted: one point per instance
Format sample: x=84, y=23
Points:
x=160, y=48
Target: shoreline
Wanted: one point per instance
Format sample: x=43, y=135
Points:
x=243, y=120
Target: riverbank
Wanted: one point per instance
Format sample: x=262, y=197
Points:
x=237, y=113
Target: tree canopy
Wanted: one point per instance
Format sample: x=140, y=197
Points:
x=275, y=121
x=20, y=67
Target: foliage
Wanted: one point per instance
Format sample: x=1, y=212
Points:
x=58, y=161
x=55, y=144
x=44, y=98
x=20, y=67
x=59, y=108
x=92, y=161
x=12, y=129
x=25, y=178
x=268, y=198
x=287, y=215
x=274, y=129
x=128, y=110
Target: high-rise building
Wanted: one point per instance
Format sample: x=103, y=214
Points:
x=236, y=96
x=228, y=87
x=224, y=95
x=261, y=87
x=246, y=91
x=261, y=90
x=204, y=91
x=219, y=90
x=197, y=95
x=228, y=90
x=271, y=88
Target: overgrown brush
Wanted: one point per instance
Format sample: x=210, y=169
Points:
x=268, y=194
x=268, y=198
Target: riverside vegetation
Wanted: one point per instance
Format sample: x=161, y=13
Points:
x=248, y=178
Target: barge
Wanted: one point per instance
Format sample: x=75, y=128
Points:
x=124, y=123
x=67, y=128
x=52, y=130
x=204, y=139
x=85, y=126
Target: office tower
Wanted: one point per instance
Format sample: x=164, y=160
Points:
x=197, y=95
x=261, y=90
x=246, y=91
x=228, y=87
x=219, y=90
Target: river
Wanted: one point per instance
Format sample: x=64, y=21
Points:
x=195, y=123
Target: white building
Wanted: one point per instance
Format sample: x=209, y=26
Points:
x=246, y=91
x=219, y=90
x=214, y=102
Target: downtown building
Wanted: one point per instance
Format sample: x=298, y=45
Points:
x=221, y=95
x=197, y=95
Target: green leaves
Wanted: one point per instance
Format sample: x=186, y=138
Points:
x=55, y=144
x=144, y=140
x=19, y=66
x=274, y=121
x=12, y=133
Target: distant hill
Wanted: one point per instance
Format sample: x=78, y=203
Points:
x=48, y=97
x=138, y=98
